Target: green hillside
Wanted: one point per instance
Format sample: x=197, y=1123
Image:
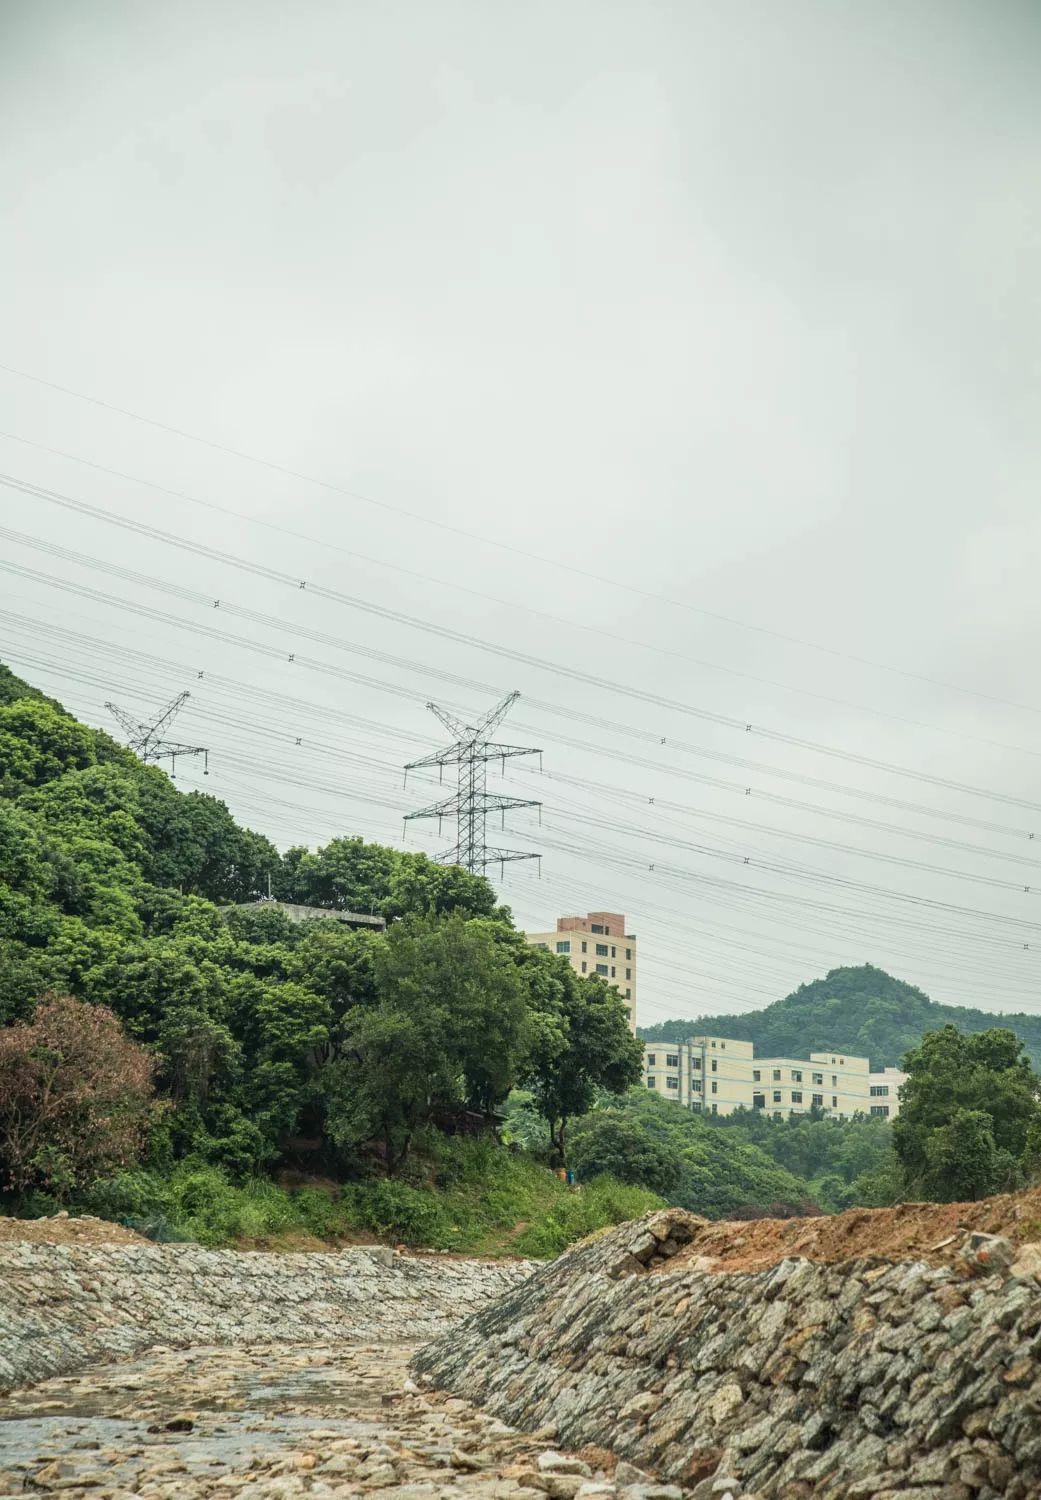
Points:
x=862, y=1010
x=294, y=1079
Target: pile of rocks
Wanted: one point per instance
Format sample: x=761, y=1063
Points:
x=69, y=1305
x=870, y=1380
x=267, y=1423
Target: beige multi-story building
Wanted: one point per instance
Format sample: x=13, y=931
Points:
x=718, y=1075
x=596, y=944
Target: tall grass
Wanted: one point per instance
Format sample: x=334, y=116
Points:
x=471, y=1196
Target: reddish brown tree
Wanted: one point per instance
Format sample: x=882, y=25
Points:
x=75, y=1096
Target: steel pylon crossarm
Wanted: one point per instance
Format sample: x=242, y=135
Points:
x=470, y=805
x=146, y=739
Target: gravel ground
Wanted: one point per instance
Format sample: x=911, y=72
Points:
x=262, y=1422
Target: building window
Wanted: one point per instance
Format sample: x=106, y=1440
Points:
x=755, y=1075
x=652, y=1058
x=722, y=1046
x=650, y=1083
x=834, y=1102
x=585, y=946
x=628, y=973
x=696, y=1062
x=672, y=1083
x=672, y=1059
x=628, y=954
x=777, y=1096
x=599, y=927
x=880, y=1109
x=715, y=1065
x=696, y=1105
x=880, y=1091
x=842, y=1062
x=818, y=1078
x=818, y=1101
x=695, y=1086
x=796, y=1075
x=713, y=1044
x=613, y=953
x=715, y=1109
x=607, y=932
x=777, y=1075
x=541, y=945
x=612, y=971
x=715, y=1086
x=601, y=950
x=565, y=946
x=602, y=969
x=628, y=994
x=796, y=1096
x=834, y=1079
x=585, y=966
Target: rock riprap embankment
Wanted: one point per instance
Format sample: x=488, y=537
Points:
x=866, y=1380
x=66, y=1306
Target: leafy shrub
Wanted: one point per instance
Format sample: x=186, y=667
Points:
x=75, y=1097
x=598, y=1205
x=394, y=1210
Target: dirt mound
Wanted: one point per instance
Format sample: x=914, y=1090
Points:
x=61, y=1230
x=933, y=1232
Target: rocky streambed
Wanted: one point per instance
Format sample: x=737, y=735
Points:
x=162, y=1372
x=633, y=1368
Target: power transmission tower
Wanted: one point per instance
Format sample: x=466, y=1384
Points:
x=148, y=740
x=471, y=804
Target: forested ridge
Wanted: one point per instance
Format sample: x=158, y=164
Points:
x=202, y=1051
x=860, y=1009
x=176, y=1051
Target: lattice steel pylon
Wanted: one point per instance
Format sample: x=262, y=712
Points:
x=472, y=802
x=148, y=740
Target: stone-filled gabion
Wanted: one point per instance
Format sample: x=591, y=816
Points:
x=864, y=1380
x=66, y=1306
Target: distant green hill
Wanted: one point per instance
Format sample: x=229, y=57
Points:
x=862, y=1010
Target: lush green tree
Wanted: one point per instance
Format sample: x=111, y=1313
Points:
x=581, y=1043
x=690, y=1161
x=447, y=1025
x=38, y=742
x=963, y=1161
x=618, y=1143
x=975, y=1094
x=351, y=875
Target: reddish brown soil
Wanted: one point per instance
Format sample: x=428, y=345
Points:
x=932, y=1232
x=61, y=1230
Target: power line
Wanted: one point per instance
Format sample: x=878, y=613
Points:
x=544, y=560
x=525, y=658
x=144, y=529
x=79, y=643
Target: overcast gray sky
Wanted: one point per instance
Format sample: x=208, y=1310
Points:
x=729, y=314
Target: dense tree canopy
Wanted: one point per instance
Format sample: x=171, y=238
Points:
x=268, y=1037
x=657, y=1144
x=970, y=1115
x=863, y=1010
